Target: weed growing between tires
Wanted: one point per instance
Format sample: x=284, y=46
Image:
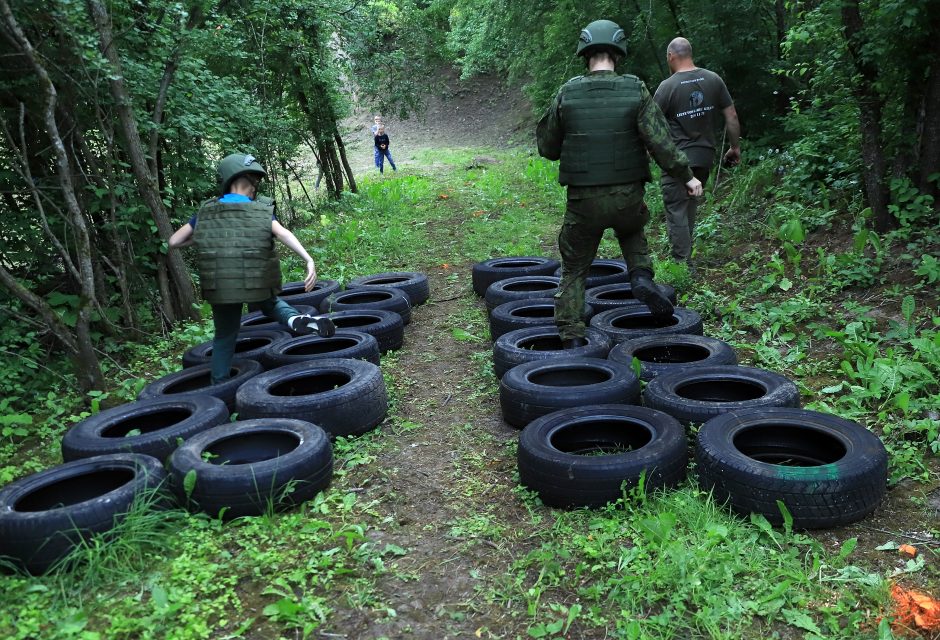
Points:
x=851, y=320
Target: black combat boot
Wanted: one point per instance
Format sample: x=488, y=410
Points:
x=573, y=343
x=646, y=291
x=306, y=324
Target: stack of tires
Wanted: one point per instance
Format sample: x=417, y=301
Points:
x=589, y=433
x=291, y=395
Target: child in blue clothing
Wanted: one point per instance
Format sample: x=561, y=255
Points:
x=381, y=149
x=234, y=239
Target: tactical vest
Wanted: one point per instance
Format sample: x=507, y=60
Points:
x=602, y=144
x=235, y=251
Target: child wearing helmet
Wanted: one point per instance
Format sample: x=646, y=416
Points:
x=234, y=239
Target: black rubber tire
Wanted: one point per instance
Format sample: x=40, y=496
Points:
x=45, y=515
x=489, y=271
x=542, y=343
x=694, y=396
x=345, y=397
x=603, y=272
x=253, y=465
x=521, y=288
x=414, y=285
x=369, y=299
x=257, y=321
x=659, y=355
x=535, y=389
x=611, y=296
x=197, y=380
x=549, y=462
x=249, y=345
x=635, y=321
x=828, y=471
x=530, y=312
x=162, y=422
x=355, y=345
x=386, y=326
x=293, y=292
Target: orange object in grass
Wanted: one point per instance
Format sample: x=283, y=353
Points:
x=915, y=609
x=908, y=550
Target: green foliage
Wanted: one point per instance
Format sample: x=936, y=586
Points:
x=910, y=207
x=704, y=574
x=652, y=566
x=186, y=591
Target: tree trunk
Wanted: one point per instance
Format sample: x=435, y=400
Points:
x=782, y=100
x=87, y=367
x=658, y=55
x=336, y=169
x=329, y=168
x=284, y=177
x=930, y=138
x=345, y=161
x=680, y=23
x=185, y=298
x=196, y=17
x=870, y=110
x=120, y=264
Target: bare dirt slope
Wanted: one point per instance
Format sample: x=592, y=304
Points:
x=478, y=112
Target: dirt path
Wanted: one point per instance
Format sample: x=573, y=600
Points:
x=437, y=477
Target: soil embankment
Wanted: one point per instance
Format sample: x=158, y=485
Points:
x=478, y=112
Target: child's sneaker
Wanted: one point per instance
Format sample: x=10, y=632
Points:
x=306, y=324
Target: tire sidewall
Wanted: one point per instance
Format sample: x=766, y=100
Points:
x=686, y=321
x=507, y=353
x=661, y=392
x=85, y=438
x=365, y=347
x=351, y=409
x=310, y=464
x=718, y=353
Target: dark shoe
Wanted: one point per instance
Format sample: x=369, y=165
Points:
x=646, y=291
x=325, y=327
x=573, y=343
x=306, y=325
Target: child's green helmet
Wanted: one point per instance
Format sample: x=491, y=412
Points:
x=602, y=34
x=235, y=165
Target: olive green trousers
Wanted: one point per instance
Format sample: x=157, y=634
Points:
x=591, y=211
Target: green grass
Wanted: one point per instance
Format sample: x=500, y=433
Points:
x=676, y=565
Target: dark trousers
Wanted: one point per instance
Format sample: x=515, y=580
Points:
x=681, y=211
x=227, y=321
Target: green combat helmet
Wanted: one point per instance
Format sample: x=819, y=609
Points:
x=235, y=165
x=602, y=34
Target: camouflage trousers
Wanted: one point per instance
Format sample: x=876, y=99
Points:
x=681, y=211
x=591, y=211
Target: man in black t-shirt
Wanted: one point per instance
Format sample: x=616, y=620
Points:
x=689, y=98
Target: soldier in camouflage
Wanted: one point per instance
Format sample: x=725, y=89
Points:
x=234, y=239
x=601, y=126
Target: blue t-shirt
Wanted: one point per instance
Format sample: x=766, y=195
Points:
x=229, y=197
